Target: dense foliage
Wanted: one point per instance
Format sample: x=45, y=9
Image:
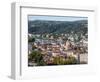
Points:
x=37, y=57
x=42, y=27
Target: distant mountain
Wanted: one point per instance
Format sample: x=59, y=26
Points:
x=42, y=26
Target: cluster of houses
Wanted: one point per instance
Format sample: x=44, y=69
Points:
x=60, y=48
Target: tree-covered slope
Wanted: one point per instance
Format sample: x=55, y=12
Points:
x=42, y=26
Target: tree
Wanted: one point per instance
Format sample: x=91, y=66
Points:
x=62, y=61
x=58, y=61
x=71, y=60
x=31, y=39
x=37, y=57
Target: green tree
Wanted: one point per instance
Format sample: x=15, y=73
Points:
x=31, y=39
x=58, y=61
x=71, y=60
x=37, y=57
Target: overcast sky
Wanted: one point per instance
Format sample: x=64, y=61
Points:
x=56, y=18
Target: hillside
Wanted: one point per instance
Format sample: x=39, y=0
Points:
x=42, y=26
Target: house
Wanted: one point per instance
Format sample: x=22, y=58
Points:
x=56, y=53
x=30, y=35
x=66, y=45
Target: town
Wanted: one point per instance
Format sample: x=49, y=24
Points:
x=57, y=49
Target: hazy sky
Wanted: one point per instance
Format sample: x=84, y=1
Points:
x=56, y=18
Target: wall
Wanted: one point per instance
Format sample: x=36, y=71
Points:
x=5, y=36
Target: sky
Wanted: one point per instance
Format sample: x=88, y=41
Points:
x=56, y=18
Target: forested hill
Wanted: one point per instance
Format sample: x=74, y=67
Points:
x=42, y=26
